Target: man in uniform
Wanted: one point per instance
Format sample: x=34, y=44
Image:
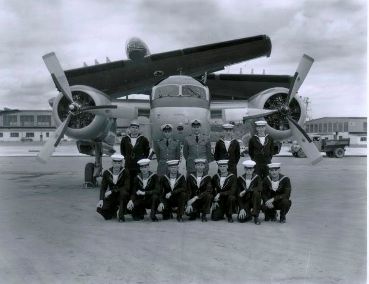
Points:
x=261, y=149
x=249, y=193
x=225, y=187
x=228, y=148
x=197, y=146
x=173, y=192
x=115, y=190
x=134, y=147
x=200, y=191
x=276, y=194
x=166, y=149
x=145, y=192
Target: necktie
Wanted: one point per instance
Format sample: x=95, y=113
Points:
x=167, y=142
x=197, y=139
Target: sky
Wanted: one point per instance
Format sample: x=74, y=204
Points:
x=333, y=32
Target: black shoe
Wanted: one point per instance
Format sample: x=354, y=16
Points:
x=192, y=217
x=230, y=219
x=154, y=218
x=203, y=218
x=121, y=219
x=179, y=219
x=256, y=220
x=282, y=219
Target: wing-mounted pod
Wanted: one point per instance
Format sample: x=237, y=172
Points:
x=136, y=49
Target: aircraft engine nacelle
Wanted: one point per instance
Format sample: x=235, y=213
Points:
x=275, y=98
x=83, y=125
x=136, y=49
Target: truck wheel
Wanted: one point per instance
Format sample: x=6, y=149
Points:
x=339, y=153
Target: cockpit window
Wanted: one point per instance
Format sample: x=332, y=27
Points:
x=193, y=91
x=166, y=91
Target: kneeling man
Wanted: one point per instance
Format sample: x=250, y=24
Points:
x=249, y=196
x=225, y=186
x=114, y=191
x=173, y=192
x=145, y=193
x=276, y=194
x=199, y=191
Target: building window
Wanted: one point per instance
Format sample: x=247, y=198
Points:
x=325, y=128
x=30, y=134
x=1, y=134
x=320, y=127
x=363, y=139
x=10, y=120
x=14, y=134
x=311, y=128
x=365, y=126
x=214, y=114
x=44, y=120
x=315, y=128
x=340, y=128
x=345, y=126
x=27, y=120
x=330, y=127
x=143, y=112
x=47, y=134
x=335, y=128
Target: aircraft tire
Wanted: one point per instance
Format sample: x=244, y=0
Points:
x=89, y=174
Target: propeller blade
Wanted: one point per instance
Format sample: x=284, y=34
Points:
x=305, y=142
x=258, y=112
x=302, y=70
x=54, y=140
x=60, y=80
x=112, y=111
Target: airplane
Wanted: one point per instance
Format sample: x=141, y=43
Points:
x=84, y=108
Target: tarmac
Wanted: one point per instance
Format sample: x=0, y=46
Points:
x=50, y=232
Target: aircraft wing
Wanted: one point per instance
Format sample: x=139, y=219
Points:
x=125, y=77
x=241, y=86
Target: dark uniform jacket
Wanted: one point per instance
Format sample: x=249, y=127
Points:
x=229, y=186
x=179, y=186
x=205, y=186
x=108, y=182
x=165, y=153
x=283, y=191
x=197, y=150
x=233, y=153
x=152, y=186
x=256, y=185
x=261, y=153
x=132, y=154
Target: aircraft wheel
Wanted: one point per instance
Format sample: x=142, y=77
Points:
x=90, y=180
x=339, y=153
x=301, y=154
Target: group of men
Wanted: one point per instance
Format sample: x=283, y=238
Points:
x=133, y=188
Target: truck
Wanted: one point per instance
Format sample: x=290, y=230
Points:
x=332, y=147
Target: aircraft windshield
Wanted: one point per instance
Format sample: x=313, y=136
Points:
x=193, y=91
x=167, y=91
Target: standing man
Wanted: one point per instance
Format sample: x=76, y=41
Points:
x=166, y=149
x=228, y=148
x=134, y=147
x=200, y=192
x=225, y=187
x=197, y=146
x=276, y=194
x=173, y=192
x=145, y=192
x=115, y=190
x=261, y=149
x=249, y=193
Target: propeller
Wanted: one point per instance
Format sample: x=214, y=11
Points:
x=283, y=111
x=73, y=108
